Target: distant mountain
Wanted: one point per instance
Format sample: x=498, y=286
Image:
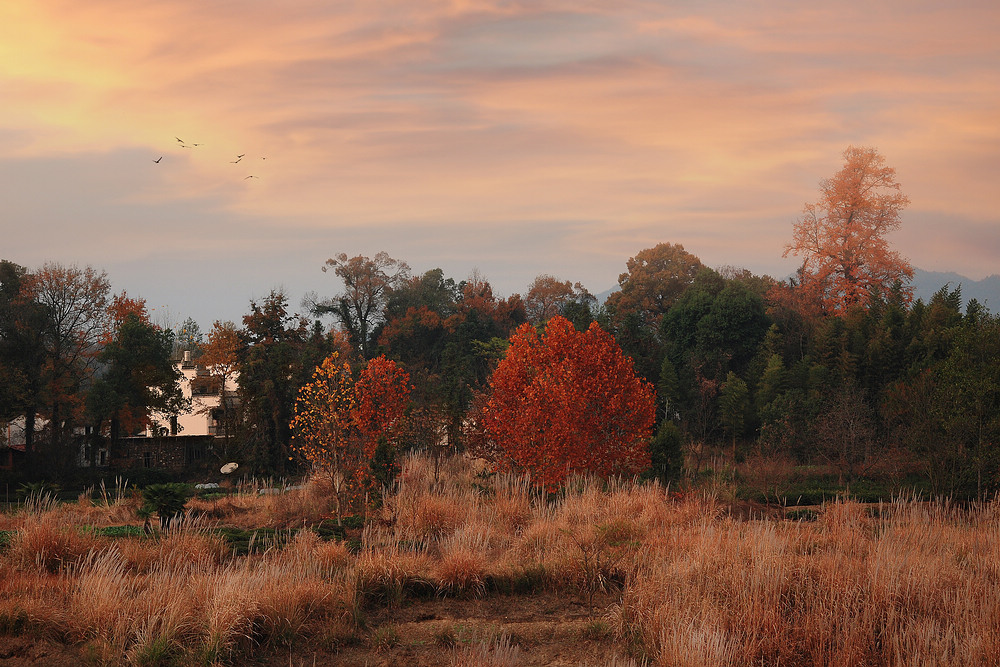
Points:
x=985, y=291
x=603, y=296
x=926, y=283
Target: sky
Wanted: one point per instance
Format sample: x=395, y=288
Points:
x=512, y=137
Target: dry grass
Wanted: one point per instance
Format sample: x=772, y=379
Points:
x=910, y=583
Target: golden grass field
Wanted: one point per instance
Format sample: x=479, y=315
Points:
x=486, y=570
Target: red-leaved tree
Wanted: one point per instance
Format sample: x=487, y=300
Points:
x=568, y=402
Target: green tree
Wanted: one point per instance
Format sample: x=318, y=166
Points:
x=734, y=401
x=272, y=368
x=666, y=453
x=730, y=333
x=968, y=401
x=138, y=379
x=167, y=500
x=22, y=353
x=668, y=388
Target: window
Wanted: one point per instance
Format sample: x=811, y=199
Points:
x=147, y=459
x=194, y=452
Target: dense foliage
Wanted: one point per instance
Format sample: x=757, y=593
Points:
x=836, y=367
x=567, y=402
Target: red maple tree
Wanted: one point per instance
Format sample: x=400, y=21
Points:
x=568, y=402
x=382, y=391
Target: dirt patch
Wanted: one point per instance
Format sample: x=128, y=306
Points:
x=26, y=651
x=541, y=629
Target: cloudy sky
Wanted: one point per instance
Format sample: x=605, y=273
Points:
x=515, y=137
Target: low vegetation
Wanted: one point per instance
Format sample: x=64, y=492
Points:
x=604, y=573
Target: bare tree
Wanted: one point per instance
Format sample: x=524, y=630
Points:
x=845, y=433
x=75, y=301
x=367, y=284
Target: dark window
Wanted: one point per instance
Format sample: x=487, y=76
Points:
x=147, y=459
x=194, y=452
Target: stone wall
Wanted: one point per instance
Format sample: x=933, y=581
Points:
x=173, y=453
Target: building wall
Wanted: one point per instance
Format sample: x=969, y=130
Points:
x=173, y=453
x=203, y=391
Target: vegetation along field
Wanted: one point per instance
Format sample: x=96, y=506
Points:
x=463, y=567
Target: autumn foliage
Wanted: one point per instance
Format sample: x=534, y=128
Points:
x=381, y=393
x=568, y=401
x=841, y=237
x=338, y=421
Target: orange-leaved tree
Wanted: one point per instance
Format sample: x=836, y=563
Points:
x=566, y=402
x=221, y=358
x=338, y=422
x=842, y=236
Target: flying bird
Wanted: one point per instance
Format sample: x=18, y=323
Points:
x=237, y=160
x=157, y=160
x=249, y=177
x=179, y=139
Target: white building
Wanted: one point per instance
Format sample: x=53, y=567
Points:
x=204, y=390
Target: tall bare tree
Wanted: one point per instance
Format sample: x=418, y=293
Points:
x=367, y=284
x=75, y=301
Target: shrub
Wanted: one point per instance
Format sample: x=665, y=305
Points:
x=167, y=500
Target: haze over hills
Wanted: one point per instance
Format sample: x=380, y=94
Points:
x=926, y=283
x=985, y=291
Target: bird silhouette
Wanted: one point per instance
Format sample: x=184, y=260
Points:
x=237, y=160
x=157, y=160
x=249, y=177
x=179, y=139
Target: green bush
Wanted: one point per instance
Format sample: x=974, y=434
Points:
x=665, y=453
x=167, y=500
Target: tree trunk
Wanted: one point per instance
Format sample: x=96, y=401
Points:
x=29, y=431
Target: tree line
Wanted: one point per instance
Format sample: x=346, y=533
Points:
x=835, y=366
